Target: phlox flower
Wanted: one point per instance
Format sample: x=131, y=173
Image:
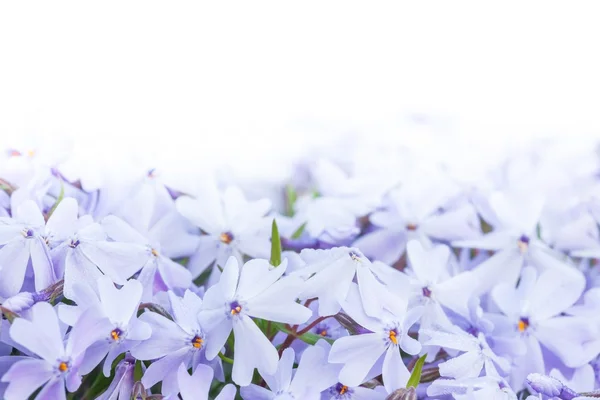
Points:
x=329, y=275
x=86, y=254
x=412, y=213
x=197, y=386
x=388, y=334
x=233, y=225
x=173, y=342
x=254, y=291
x=121, y=386
x=312, y=376
x=58, y=363
x=514, y=239
x=536, y=308
x=159, y=272
x=432, y=283
x=116, y=315
x=482, y=388
x=476, y=353
x=23, y=245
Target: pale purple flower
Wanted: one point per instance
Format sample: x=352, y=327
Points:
x=23, y=245
x=233, y=225
x=254, y=291
x=197, y=386
x=329, y=275
x=412, y=213
x=312, y=376
x=121, y=386
x=58, y=364
x=515, y=242
x=482, y=388
x=536, y=308
x=388, y=334
x=87, y=254
x=181, y=340
x=159, y=272
x=121, y=329
x=476, y=353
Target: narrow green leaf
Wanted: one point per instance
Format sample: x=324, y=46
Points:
x=308, y=337
x=299, y=231
x=60, y=197
x=275, y=245
x=415, y=376
x=290, y=196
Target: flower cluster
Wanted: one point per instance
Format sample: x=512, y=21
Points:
x=348, y=281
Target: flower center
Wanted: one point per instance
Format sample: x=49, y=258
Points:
x=27, y=232
x=523, y=243
x=354, y=256
x=63, y=366
x=341, y=389
x=426, y=291
x=523, y=324
x=236, y=308
x=226, y=237
x=154, y=252
x=115, y=334
x=197, y=342
x=74, y=243
x=393, y=335
x=411, y=227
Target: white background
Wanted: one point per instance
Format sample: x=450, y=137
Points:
x=250, y=83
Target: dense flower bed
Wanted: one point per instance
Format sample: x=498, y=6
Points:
x=348, y=281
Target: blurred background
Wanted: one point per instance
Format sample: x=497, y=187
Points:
x=256, y=85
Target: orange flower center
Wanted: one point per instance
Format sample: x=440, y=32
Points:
x=393, y=337
x=63, y=366
x=197, y=342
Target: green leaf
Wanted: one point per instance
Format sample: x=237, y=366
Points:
x=299, y=231
x=415, y=376
x=60, y=197
x=290, y=196
x=275, y=245
x=308, y=337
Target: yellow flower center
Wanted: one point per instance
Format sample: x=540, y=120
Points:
x=115, y=334
x=393, y=337
x=154, y=252
x=523, y=324
x=63, y=366
x=226, y=237
x=343, y=389
x=323, y=333
x=197, y=342
x=236, y=310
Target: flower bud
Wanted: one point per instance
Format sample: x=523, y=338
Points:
x=20, y=302
x=550, y=386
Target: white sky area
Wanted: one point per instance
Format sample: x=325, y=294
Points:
x=253, y=83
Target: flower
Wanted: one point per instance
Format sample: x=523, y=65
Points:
x=23, y=243
x=117, y=309
x=173, y=342
x=536, y=309
x=388, y=334
x=515, y=242
x=412, y=213
x=312, y=376
x=159, y=272
x=197, y=386
x=58, y=364
x=233, y=226
x=329, y=276
x=254, y=291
